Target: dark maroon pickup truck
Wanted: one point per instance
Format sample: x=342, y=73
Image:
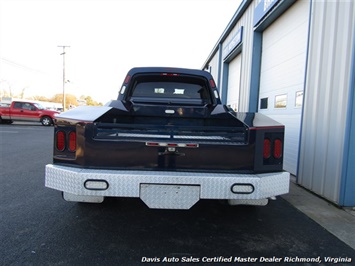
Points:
x=27, y=111
x=168, y=140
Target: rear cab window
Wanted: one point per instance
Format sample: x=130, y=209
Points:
x=175, y=89
x=18, y=105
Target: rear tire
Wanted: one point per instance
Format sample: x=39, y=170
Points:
x=46, y=121
x=5, y=121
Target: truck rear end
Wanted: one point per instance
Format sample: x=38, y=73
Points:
x=168, y=140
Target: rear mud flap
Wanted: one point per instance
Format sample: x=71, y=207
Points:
x=254, y=202
x=82, y=198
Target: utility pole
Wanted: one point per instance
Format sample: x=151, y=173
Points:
x=63, y=54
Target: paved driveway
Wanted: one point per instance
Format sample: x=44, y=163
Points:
x=38, y=228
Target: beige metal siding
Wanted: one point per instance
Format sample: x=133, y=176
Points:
x=246, y=21
x=214, y=68
x=326, y=97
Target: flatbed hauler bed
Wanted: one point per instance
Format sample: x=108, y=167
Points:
x=168, y=140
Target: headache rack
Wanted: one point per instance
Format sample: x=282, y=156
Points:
x=202, y=134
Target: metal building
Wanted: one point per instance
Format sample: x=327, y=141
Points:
x=295, y=62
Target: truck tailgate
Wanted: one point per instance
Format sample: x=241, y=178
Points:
x=202, y=148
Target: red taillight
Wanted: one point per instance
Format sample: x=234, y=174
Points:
x=267, y=149
x=277, y=148
x=64, y=141
x=60, y=142
x=212, y=83
x=72, y=141
x=127, y=79
x=152, y=143
x=169, y=74
x=172, y=145
x=192, y=145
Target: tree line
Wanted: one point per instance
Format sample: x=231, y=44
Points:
x=70, y=100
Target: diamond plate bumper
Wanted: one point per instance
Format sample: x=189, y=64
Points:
x=123, y=183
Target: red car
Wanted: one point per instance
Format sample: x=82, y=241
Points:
x=27, y=111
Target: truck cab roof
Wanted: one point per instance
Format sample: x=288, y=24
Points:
x=170, y=85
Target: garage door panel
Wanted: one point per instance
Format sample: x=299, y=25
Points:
x=280, y=59
x=283, y=63
x=294, y=20
x=287, y=54
x=234, y=82
x=284, y=43
x=292, y=74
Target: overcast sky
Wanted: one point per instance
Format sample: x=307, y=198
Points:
x=106, y=39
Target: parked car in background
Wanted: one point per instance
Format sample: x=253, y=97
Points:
x=27, y=111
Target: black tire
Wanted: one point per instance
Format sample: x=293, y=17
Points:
x=46, y=121
x=5, y=121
